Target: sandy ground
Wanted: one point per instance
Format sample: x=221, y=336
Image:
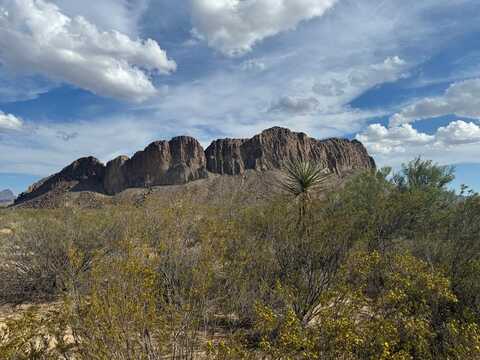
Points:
x=6, y=232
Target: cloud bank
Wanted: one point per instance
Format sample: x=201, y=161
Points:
x=461, y=99
x=457, y=142
x=37, y=38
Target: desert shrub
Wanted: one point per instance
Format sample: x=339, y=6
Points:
x=460, y=254
x=121, y=316
x=37, y=260
x=381, y=268
x=401, y=319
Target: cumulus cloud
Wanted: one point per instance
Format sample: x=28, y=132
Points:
x=232, y=103
x=37, y=38
x=457, y=142
x=235, y=26
x=10, y=122
x=458, y=133
x=380, y=139
x=461, y=99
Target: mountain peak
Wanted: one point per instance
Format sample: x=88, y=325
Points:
x=182, y=160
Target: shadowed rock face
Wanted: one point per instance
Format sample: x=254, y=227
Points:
x=85, y=174
x=183, y=159
x=274, y=147
x=173, y=162
x=115, y=175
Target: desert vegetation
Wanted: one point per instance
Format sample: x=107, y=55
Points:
x=385, y=267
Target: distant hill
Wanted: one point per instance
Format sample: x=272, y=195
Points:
x=6, y=197
x=182, y=160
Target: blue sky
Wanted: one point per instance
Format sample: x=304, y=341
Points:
x=403, y=77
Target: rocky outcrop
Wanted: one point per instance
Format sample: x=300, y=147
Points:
x=274, y=147
x=173, y=162
x=183, y=159
x=116, y=175
x=85, y=174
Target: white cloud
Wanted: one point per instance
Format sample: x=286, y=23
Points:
x=356, y=37
x=458, y=133
x=382, y=140
x=350, y=84
x=461, y=99
x=37, y=38
x=9, y=122
x=44, y=149
x=457, y=142
x=391, y=69
x=235, y=26
x=120, y=15
x=333, y=91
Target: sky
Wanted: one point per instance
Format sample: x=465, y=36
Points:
x=107, y=78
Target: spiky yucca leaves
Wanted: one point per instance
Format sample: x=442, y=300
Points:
x=301, y=177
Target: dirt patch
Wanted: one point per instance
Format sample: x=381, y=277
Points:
x=6, y=232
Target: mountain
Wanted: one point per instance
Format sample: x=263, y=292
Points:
x=6, y=197
x=182, y=160
x=274, y=147
x=173, y=162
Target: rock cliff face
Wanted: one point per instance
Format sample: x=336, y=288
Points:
x=85, y=174
x=274, y=147
x=183, y=159
x=173, y=162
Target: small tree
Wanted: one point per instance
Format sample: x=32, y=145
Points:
x=421, y=174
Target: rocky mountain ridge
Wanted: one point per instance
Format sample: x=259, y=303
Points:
x=173, y=162
x=182, y=160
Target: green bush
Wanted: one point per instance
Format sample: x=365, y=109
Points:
x=385, y=267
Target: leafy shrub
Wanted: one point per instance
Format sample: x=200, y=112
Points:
x=383, y=268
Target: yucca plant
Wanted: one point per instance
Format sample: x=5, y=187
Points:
x=300, y=179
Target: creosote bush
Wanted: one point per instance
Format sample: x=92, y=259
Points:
x=385, y=267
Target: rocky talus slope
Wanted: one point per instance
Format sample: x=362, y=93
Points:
x=183, y=160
